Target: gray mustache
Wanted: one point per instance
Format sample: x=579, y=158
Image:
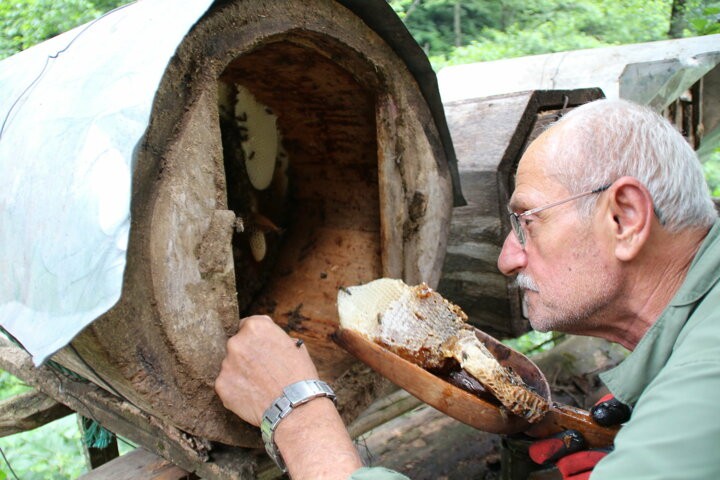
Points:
x=524, y=281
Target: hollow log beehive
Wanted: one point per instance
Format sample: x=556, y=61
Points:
x=490, y=135
x=358, y=187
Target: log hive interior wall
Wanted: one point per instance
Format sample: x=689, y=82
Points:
x=328, y=217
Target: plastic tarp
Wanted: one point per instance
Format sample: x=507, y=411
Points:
x=73, y=109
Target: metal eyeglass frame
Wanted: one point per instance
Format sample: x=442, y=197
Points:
x=515, y=217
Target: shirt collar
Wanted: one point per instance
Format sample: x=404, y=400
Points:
x=628, y=380
x=704, y=270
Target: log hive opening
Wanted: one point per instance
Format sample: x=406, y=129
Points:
x=324, y=198
x=348, y=182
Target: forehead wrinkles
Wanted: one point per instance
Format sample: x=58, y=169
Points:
x=538, y=176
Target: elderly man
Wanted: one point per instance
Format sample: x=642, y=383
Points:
x=615, y=236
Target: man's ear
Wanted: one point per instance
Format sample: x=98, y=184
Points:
x=630, y=208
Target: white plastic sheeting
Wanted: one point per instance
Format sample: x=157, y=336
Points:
x=73, y=110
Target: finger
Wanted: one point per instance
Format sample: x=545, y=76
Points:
x=550, y=449
x=610, y=411
x=580, y=462
x=253, y=318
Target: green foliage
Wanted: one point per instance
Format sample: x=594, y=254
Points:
x=533, y=342
x=712, y=172
x=705, y=20
x=27, y=22
x=10, y=386
x=511, y=28
x=545, y=26
x=432, y=21
x=51, y=452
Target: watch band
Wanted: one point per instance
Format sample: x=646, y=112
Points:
x=293, y=395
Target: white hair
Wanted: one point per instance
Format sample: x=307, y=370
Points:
x=604, y=140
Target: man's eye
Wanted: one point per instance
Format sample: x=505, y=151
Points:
x=527, y=221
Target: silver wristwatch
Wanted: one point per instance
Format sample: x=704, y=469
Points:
x=293, y=395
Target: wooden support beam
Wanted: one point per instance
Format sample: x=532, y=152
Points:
x=28, y=411
x=120, y=416
x=138, y=465
x=382, y=411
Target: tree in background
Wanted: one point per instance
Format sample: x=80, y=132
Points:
x=450, y=31
x=455, y=32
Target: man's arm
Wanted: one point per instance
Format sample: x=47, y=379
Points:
x=261, y=360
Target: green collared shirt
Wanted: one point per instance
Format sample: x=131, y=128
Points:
x=672, y=379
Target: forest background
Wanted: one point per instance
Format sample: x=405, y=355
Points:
x=451, y=32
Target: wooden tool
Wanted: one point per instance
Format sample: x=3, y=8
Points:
x=471, y=409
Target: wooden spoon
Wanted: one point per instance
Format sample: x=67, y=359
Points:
x=471, y=409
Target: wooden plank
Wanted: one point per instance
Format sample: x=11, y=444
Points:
x=138, y=465
x=382, y=411
x=28, y=411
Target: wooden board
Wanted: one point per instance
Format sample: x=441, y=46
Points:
x=138, y=465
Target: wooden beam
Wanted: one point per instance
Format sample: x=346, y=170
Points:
x=138, y=465
x=28, y=411
x=125, y=419
x=382, y=411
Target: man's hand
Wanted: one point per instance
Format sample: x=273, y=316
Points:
x=261, y=360
x=567, y=449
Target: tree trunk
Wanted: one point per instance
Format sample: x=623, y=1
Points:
x=677, y=19
x=457, y=14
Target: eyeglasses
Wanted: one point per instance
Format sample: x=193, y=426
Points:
x=515, y=217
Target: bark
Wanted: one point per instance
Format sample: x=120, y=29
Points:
x=457, y=26
x=677, y=19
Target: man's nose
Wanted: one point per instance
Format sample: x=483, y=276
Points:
x=512, y=257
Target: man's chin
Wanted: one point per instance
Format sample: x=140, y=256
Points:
x=540, y=326
x=541, y=321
